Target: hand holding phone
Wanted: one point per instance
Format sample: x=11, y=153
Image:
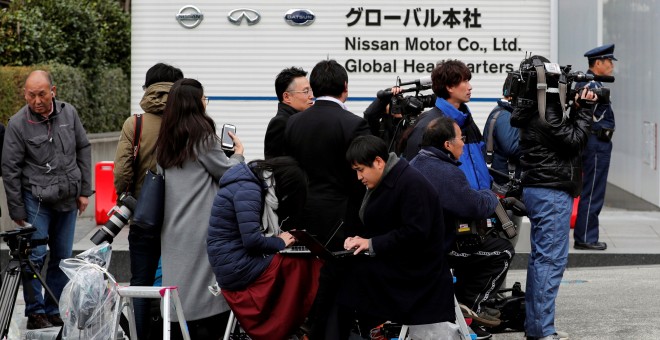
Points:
x=227, y=142
x=229, y=139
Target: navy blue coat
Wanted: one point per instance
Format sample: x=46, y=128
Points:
x=457, y=198
x=408, y=279
x=238, y=251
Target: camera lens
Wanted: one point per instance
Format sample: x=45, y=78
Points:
x=117, y=221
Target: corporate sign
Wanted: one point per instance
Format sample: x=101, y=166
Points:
x=437, y=32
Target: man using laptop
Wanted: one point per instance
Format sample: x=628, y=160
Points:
x=406, y=278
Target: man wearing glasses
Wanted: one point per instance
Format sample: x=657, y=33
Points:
x=479, y=267
x=294, y=95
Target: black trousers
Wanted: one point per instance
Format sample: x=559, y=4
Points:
x=480, y=271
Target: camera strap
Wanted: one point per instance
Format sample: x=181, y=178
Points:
x=137, y=136
x=489, y=141
x=507, y=225
x=542, y=89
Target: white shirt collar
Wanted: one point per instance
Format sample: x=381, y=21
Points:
x=333, y=99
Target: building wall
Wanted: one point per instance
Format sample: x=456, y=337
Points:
x=238, y=64
x=631, y=25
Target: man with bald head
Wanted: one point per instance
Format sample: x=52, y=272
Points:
x=46, y=162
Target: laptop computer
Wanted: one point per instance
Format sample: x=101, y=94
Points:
x=298, y=249
x=317, y=249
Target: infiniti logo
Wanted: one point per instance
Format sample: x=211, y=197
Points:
x=237, y=16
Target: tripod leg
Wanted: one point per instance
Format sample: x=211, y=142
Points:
x=43, y=283
x=11, y=280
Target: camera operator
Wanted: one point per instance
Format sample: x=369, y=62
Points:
x=382, y=122
x=479, y=267
x=451, y=83
x=596, y=156
x=551, y=144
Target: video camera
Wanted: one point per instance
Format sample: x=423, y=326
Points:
x=19, y=239
x=537, y=76
x=410, y=105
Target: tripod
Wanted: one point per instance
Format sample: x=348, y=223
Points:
x=20, y=247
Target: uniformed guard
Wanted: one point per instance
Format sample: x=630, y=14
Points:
x=596, y=156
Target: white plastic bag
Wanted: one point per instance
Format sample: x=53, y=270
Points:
x=88, y=301
x=441, y=330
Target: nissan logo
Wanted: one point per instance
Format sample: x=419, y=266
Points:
x=237, y=16
x=189, y=16
x=299, y=17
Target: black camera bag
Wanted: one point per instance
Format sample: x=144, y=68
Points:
x=512, y=308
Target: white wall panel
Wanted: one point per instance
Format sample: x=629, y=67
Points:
x=237, y=62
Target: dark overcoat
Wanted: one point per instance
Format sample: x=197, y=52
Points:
x=408, y=280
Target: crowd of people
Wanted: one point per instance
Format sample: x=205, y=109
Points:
x=228, y=221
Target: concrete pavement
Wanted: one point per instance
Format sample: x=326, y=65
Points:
x=596, y=300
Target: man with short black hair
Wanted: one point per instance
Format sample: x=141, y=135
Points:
x=294, y=95
x=451, y=83
x=406, y=278
x=318, y=139
x=143, y=245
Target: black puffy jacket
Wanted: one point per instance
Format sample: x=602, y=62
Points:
x=551, y=151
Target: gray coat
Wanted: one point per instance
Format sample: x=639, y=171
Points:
x=189, y=193
x=49, y=157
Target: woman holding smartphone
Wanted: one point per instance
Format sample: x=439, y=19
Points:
x=190, y=153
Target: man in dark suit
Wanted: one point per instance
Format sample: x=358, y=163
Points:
x=318, y=139
x=294, y=95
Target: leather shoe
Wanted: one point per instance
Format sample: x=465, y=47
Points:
x=38, y=321
x=55, y=319
x=590, y=246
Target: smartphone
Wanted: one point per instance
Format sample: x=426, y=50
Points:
x=227, y=143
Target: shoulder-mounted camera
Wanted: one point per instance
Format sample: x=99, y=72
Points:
x=411, y=105
x=538, y=82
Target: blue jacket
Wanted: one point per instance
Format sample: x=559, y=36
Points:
x=473, y=163
x=237, y=250
x=457, y=198
x=505, y=139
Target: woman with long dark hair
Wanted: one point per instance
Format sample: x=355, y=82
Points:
x=189, y=152
x=270, y=293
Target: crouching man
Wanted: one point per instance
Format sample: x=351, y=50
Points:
x=405, y=278
x=480, y=262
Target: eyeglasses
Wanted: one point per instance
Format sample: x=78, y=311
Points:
x=305, y=91
x=206, y=100
x=462, y=138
